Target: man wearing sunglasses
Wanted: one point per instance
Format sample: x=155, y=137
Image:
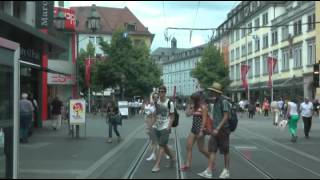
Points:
x=163, y=124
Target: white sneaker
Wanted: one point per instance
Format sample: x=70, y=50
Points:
x=206, y=174
x=225, y=174
x=167, y=157
x=151, y=157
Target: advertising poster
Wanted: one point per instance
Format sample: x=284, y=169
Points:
x=77, y=111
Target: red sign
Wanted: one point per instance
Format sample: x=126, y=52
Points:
x=70, y=16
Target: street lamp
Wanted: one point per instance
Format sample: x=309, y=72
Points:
x=253, y=37
x=93, y=19
x=59, y=20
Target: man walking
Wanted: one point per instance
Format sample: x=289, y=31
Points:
x=220, y=136
x=163, y=124
x=26, y=110
x=306, y=109
x=56, y=113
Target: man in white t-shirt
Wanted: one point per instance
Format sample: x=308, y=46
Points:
x=306, y=109
x=163, y=124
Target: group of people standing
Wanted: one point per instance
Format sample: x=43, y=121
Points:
x=159, y=118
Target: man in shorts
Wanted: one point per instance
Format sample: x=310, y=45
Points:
x=163, y=124
x=220, y=135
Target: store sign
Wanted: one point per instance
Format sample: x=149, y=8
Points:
x=30, y=55
x=60, y=79
x=77, y=111
x=70, y=16
x=44, y=14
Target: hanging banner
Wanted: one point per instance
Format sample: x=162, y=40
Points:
x=271, y=65
x=244, y=72
x=88, y=71
x=77, y=111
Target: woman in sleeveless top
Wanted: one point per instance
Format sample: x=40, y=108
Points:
x=293, y=118
x=199, y=113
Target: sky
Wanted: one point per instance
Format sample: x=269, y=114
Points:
x=158, y=15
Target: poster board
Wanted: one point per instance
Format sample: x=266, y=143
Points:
x=77, y=112
x=124, y=108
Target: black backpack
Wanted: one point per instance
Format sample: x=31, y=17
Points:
x=233, y=118
x=175, y=122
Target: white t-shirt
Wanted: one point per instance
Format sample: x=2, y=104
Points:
x=306, y=109
x=149, y=109
x=162, y=113
x=293, y=108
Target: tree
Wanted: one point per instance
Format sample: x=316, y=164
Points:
x=211, y=68
x=128, y=67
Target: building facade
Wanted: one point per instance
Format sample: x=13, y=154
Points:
x=111, y=19
x=176, y=65
x=260, y=29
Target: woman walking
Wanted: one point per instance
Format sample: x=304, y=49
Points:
x=197, y=134
x=113, y=119
x=293, y=118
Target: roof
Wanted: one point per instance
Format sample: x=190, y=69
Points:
x=110, y=19
x=167, y=51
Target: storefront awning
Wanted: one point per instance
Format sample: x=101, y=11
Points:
x=35, y=66
x=12, y=28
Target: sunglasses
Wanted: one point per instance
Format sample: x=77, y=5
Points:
x=162, y=91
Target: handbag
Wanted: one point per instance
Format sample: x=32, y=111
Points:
x=283, y=124
x=116, y=119
x=207, y=129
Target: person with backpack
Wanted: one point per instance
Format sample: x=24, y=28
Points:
x=165, y=111
x=199, y=111
x=220, y=135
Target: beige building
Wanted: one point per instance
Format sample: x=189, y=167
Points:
x=257, y=29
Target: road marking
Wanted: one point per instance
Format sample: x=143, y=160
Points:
x=89, y=171
x=283, y=146
x=34, y=145
x=246, y=147
x=50, y=171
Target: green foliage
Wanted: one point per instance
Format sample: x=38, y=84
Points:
x=211, y=68
x=128, y=67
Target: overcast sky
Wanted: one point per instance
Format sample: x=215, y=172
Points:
x=157, y=15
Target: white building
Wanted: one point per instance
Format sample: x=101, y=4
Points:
x=256, y=29
x=176, y=68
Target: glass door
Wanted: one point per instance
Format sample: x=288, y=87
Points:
x=6, y=112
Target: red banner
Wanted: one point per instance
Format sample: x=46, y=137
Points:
x=244, y=72
x=88, y=63
x=271, y=65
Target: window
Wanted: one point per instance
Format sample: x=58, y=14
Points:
x=232, y=55
x=265, y=64
x=232, y=73
x=297, y=28
x=311, y=22
x=275, y=55
x=243, y=50
x=91, y=39
x=285, y=59
x=265, y=19
x=237, y=53
x=243, y=32
x=297, y=56
x=250, y=28
x=237, y=34
x=232, y=37
x=257, y=44
x=285, y=33
x=311, y=52
x=257, y=66
x=250, y=47
x=265, y=43
x=250, y=73
x=238, y=72
x=256, y=23
x=131, y=27
x=274, y=37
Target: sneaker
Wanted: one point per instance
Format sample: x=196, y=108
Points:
x=167, y=157
x=155, y=169
x=109, y=141
x=151, y=157
x=206, y=174
x=225, y=174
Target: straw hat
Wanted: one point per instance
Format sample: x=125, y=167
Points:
x=216, y=87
